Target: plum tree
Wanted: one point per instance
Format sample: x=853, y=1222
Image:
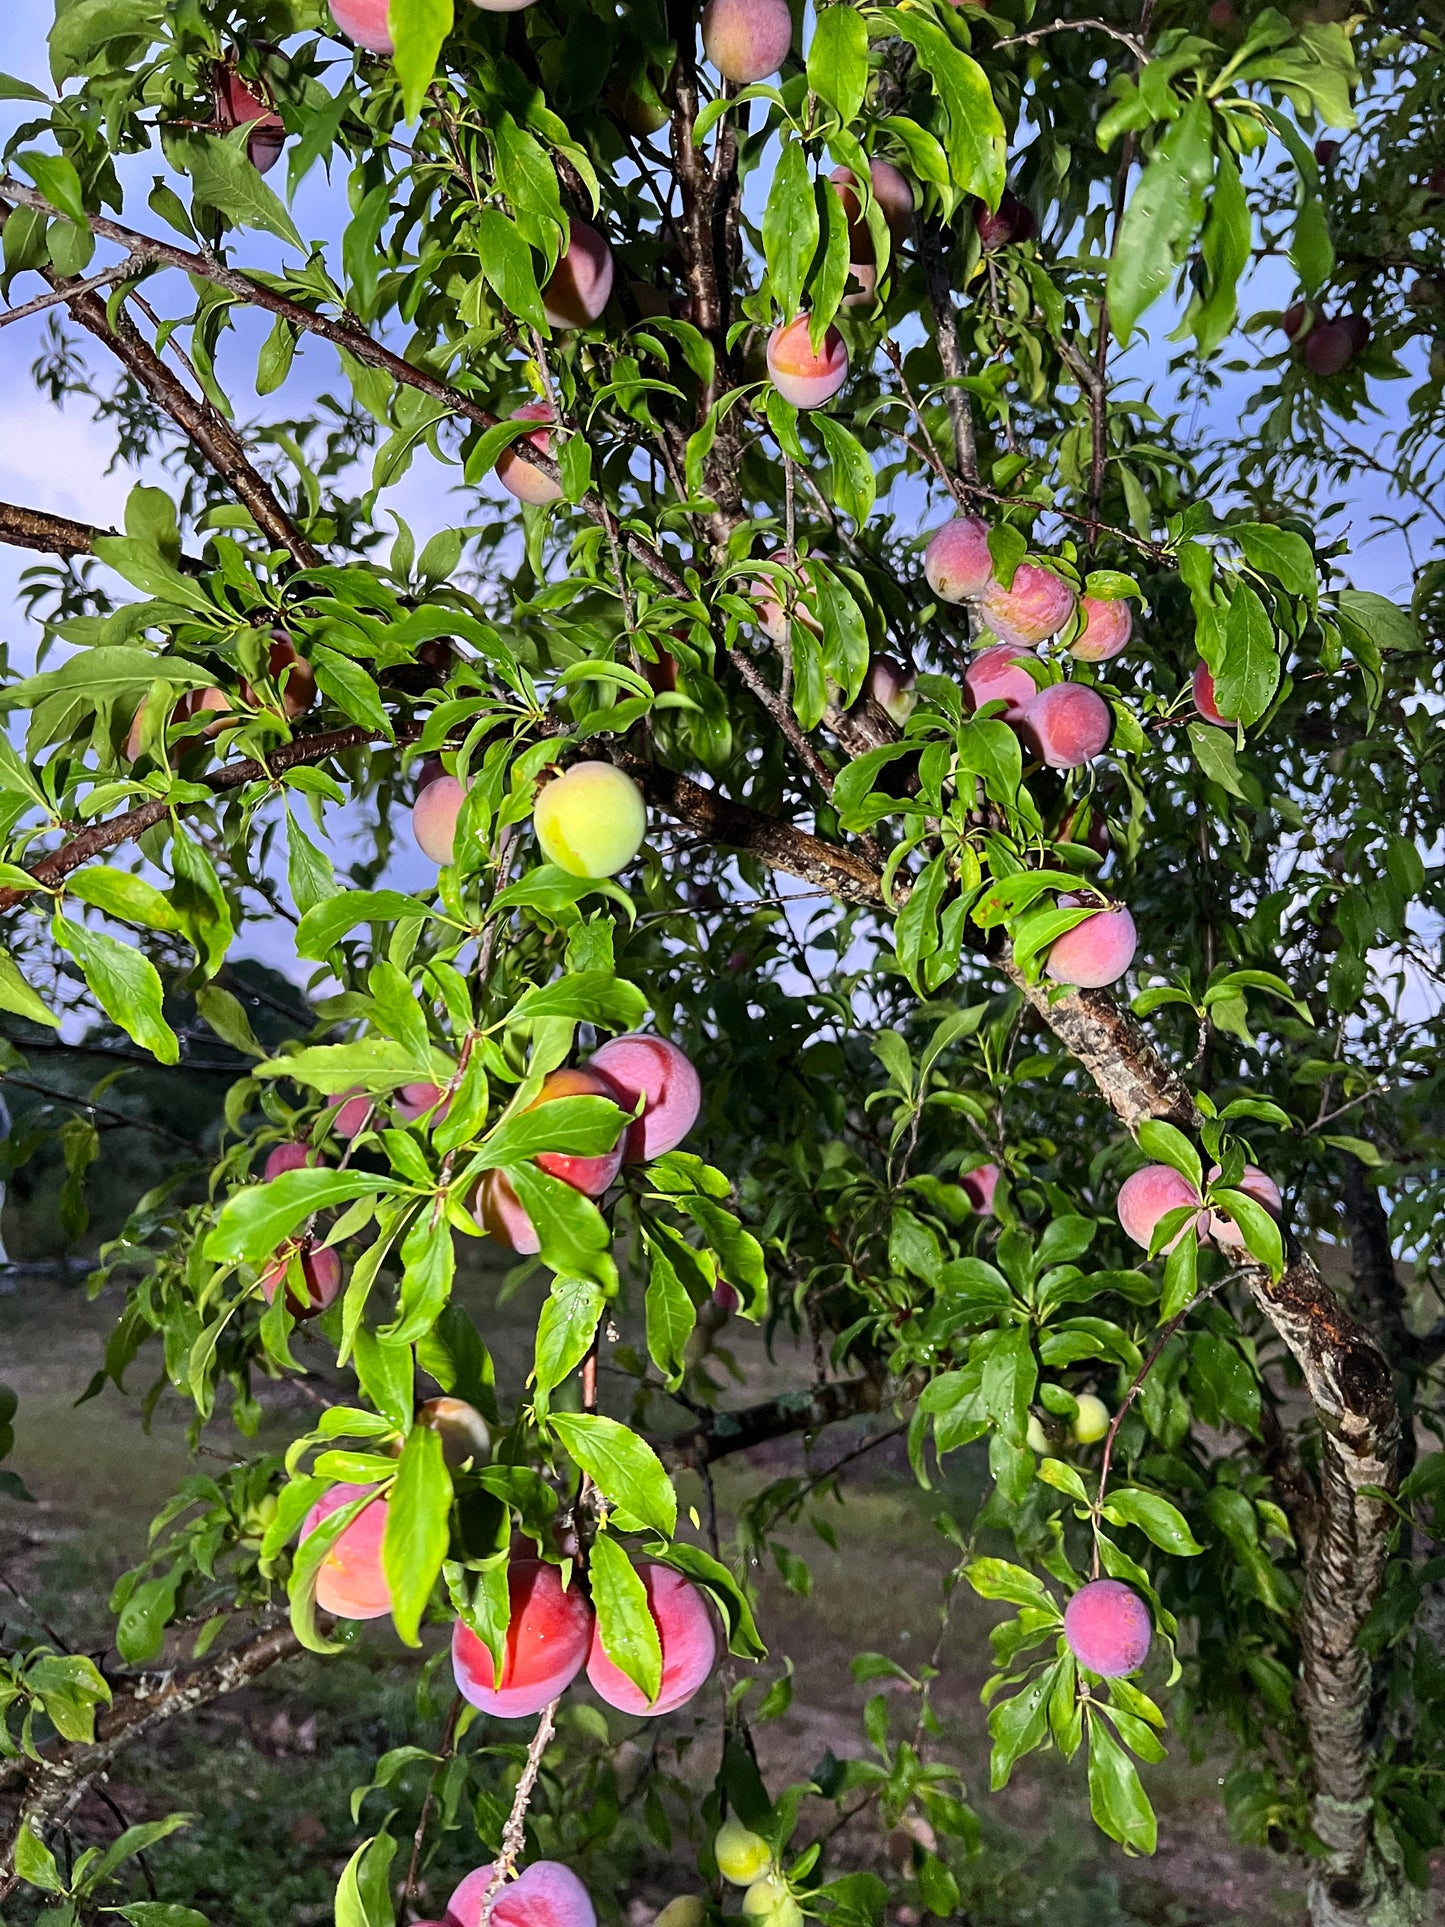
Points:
x=802, y=375
x=591, y=820
x=1096, y=952
x=1067, y=724
x=746, y=40
x=548, y=1638
x=640, y=1067
x=685, y=1633
x=1107, y=1629
x=350, y=1580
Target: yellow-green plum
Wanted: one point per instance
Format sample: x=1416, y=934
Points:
x=1106, y=1628
x=742, y=1856
x=546, y=1894
x=517, y=475
x=1151, y=1194
x=1094, y=953
x=957, y=562
x=351, y=1582
x=434, y=818
x=893, y=192
x=687, y=1910
x=1204, y=702
x=650, y=1068
x=746, y=40
x=591, y=820
x=1067, y=724
x=364, y=22
x=1105, y=628
x=689, y=1646
x=464, y=1433
x=1037, y=1439
x=581, y=282
x=806, y=379
x=770, y=1899
x=1255, y=1184
x=1001, y=675
x=1035, y=607
x=549, y=1634
x=1092, y=1419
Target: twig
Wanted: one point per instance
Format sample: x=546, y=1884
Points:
x=58, y=296
x=408, y=1892
x=1131, y=41
x=515, y=1831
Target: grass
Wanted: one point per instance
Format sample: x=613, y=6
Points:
x=269, y=1774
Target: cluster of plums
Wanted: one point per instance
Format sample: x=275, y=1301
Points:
x=1326, y=344
x=1158, y=1189
x=590, y=820
x=286, y=666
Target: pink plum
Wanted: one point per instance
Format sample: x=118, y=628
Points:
x=500, y=6
x=1012, y=222
x=746, y=40
x=416, y=1100
x=519, y=477
x=639, y=1065
x=548, y=1637
x=463, y=1431
x=979, y=1185
x=1255, y=1184
x=498, y=1210
x=364, y=21
x=352, y=1112
x=1107, y=627
x=320, y=1276
x=769, y=594
x=546, y=1894
x=1094, y=953
x=288, y=1157
x=581, y=282
x=351, y=1582
x=999, y=675
x=1067, y=724
x=890, y=684
x=801, y=377
x=590, y=1175
x=1035, y=608
x=957, y=562
x=689, y=1646
x=1204, y=698
x=434, y=818
x=894, y=194
x=1106, y=1628
x=238, y=106
x=1149, y=1195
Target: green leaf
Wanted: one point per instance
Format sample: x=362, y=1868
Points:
x=998, y=1579
x=1165, y=1144
x=1214, y=753
x=1280, y=553
x=670, y=1314
x=17, y=996
x=566, y=1328
x=36, y=1863
x=1384, y=622
x=351, y=689
x=1247, y=677
x=57, y=180
x=838, y=59
x=1155, y=1517
x=790, y=228
x=255, y=1220
x=363, y=1895
x=855, y=486
x=223, y=177
x=624, y=1467
x=415, y=1538
x=418, y=29
x=161, y=1913
x=591, y=996
x=1261, y=1234
x=1225, y=248
x=975, y=142
x=326, y=923
x=1117, y=1799
x=125, y=983
x=507, y=263
x=1162, y=218
x=625, y=1623
x=576, y=1238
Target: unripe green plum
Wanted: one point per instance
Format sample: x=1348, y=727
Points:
x=742, y=1856
x=350, y=1582
x=1001, y=675
x=516, y=475
x=364, y=21
x=746, y=40
x=1035, y=607
x=1149, y=1195
x=581, y=282
x=687, y=1910
x=1106, y=1628
x=1106, y=628
x=1067, y=724
x=591, y=820
x=1092, y=1420
x=769, y=1899
x=1255, y=1184
x=464, y=1433
x=893, y=192
x=689, y=1646
x=434, y=818
x=806, y=379
x=549, y=1634
x=1095, y=953
x=957, y=562
x=1037, y=1439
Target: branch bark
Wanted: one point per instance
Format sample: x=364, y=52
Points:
x=24, y=528
x=774, y=1418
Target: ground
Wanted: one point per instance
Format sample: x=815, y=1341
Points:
x=269, y=1773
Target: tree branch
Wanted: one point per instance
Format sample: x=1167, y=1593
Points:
x=26, y=528
x=775, y=1418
